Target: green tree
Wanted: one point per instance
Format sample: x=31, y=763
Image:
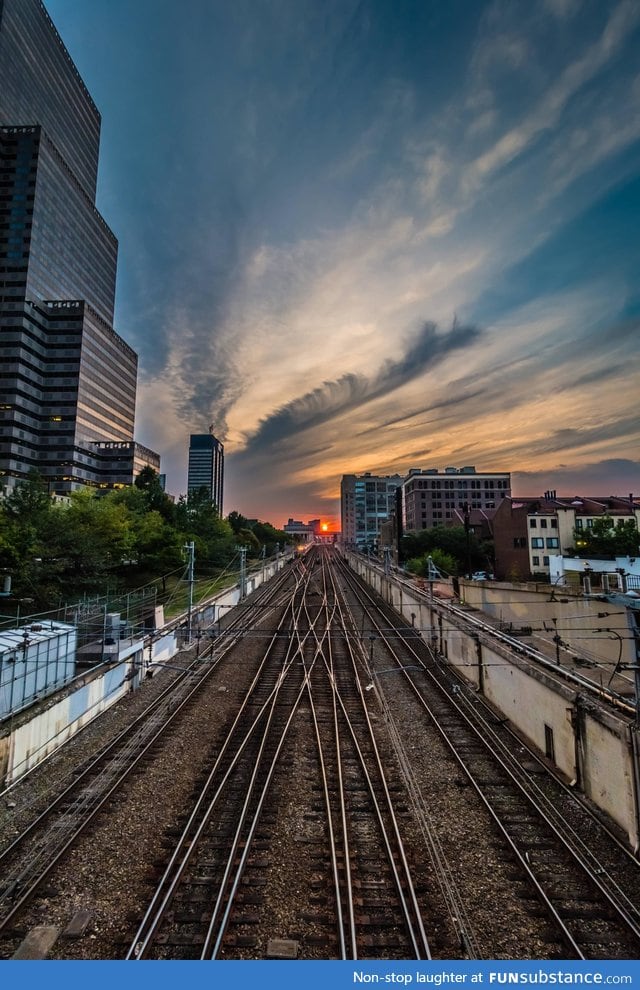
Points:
x=247, y=538
x=443, y=562
x=157, y=546
x=156, y=499
x=256, y=535
x=608, y=538
x=237, y=521
x=452, y=541
x=96, y=535
x=198, y=520
x=29, y=501
x=268, y=536
x=25, y=521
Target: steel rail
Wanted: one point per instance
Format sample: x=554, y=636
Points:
x=217, y=929
x=570, y=840
x=518, y=647
x=21, y=883
x=405, y=890
x=342, y=813
x=201, y=815
x=569, y=836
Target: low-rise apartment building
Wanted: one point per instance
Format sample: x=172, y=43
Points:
x=436, y=498
x=529, y=531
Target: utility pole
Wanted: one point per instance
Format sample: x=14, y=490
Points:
x=263, y=554
x=387, y=560
x=190, y=548
x=557, y=640
x=277, y=557
x=243, y=572
x=104, y=632
x=467, y=529
x=431, y=574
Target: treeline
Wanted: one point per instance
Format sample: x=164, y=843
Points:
x=453, y=551
x=99, y=543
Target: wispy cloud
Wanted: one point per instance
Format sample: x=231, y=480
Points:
x=351, y=391
x=330, y=174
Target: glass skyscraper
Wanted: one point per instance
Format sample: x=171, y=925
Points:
x=206, y=467
x=67, y=379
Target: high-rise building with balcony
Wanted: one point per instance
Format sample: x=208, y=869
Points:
x=206, y=467
x=366, y=502
x=67, y=379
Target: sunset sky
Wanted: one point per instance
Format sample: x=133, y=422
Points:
x=370, y=235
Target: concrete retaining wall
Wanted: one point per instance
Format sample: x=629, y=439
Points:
x=31, y=739
x=40, y=730
x=577, y=617
x=591, y=746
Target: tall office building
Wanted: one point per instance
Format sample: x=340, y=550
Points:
x=67, y=379
x=206, y=466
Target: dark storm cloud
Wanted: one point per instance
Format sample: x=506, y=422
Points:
x=351, y=391
x=610, y=476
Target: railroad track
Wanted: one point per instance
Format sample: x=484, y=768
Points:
x=309, y=828
x=587, y=895
x=359, y=899
x=378, y=905
x=27, y=861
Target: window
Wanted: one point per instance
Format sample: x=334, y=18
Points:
x=537, y=543
x=533, y=523
x=545, y=561
x=543, y=523
x=552, y=542
x=519, y=542
x=535, y=561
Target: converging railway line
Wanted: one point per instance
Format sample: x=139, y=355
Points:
x=316, y=784
x=355, y=857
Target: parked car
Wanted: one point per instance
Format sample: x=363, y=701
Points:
x=481, y=576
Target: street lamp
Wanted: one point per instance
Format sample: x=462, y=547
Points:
x=554, y=584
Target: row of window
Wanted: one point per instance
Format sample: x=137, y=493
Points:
x=454, y=485
x=553, y=523
x=538, y=542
